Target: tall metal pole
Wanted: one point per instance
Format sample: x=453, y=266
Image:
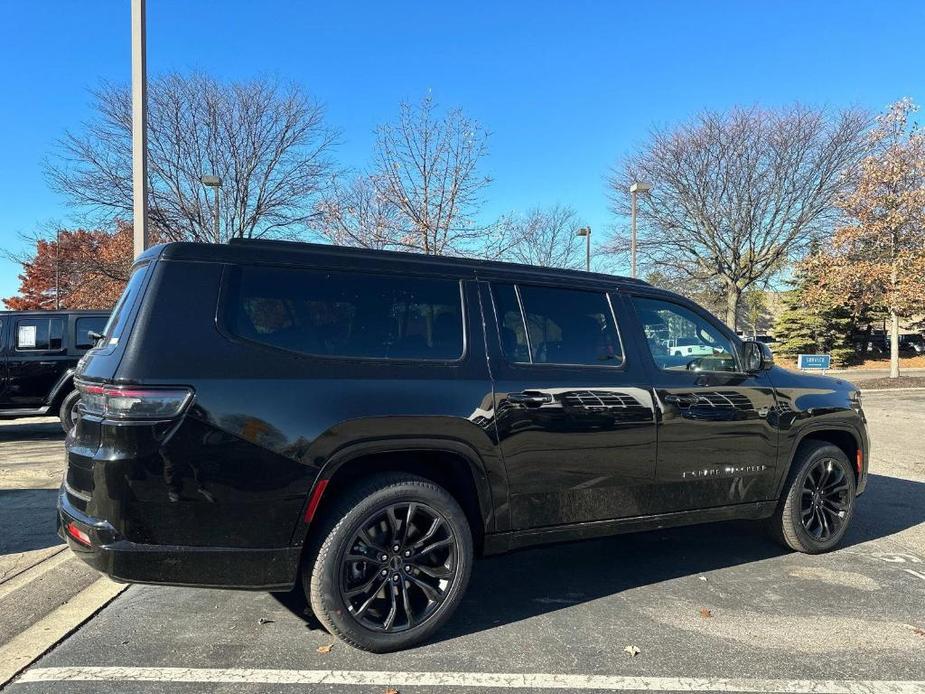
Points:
x=633, y=234
x=218, y=231
x=588, y=250
x=57, y=269
x=139, y=129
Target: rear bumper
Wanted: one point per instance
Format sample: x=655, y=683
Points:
x=209, y=567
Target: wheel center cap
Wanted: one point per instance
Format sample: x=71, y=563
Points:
x=395, y=562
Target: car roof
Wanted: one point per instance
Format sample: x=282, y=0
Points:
x=283, y=252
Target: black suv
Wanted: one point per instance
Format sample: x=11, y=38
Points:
x=366, y=423
x=38, y=354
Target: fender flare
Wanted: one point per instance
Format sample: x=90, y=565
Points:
x=59, y=391
x=353, y=451
x=808, y=431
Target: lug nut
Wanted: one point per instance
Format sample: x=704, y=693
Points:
x=407, y=568
x=383, y=573
x=407, y=552
x=396, y=548
x=385, y=557
x=395, y=578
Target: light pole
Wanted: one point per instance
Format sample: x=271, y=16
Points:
x=586, y=232
x=635, y=188
x=139, y=130
x=214, y=182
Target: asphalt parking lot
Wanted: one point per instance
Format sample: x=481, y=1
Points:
x=709, y=608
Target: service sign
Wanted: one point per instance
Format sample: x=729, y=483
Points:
x=814, y=361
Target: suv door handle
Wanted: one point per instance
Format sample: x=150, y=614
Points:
x=681, y=400
x=529, y=398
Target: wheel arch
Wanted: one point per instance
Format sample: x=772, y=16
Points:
x=844, y=437
x=454, y=465
x=60, y=390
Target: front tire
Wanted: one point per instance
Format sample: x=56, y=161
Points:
x=390, y=563
x=68, y=411
x=819, y=499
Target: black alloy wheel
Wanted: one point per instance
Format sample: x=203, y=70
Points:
x=824, y=501
x=818, y=500
x=389, y=561
x=398, y=567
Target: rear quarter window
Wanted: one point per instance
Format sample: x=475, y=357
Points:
x=39, y=334
x=346, y=314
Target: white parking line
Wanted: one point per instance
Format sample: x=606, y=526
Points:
x=469, y=680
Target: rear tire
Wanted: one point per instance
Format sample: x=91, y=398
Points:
x=818, y=501
x=68, y=412
x=383, y=605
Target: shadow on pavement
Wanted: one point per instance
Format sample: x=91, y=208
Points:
x=888, y=505
x=531, y=582
x=29, y=430
x=28, y=516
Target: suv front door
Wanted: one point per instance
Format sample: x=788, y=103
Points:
x=717, y=444
x=575, y=418
x=37, y=359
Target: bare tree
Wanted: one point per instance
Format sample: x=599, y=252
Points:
x=269, y=145
x=543, y=236
x=426, y=169
x=736, y=195
x=354, y=213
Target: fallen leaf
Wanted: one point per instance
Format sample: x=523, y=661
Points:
x=918, y=632
x=391, y=690
x=702, y=578
x=632, y=650
x=325, y=649
x=705, y=613
x=264, y=620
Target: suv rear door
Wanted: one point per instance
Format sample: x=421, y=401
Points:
x=574, y=413
x=717, y=444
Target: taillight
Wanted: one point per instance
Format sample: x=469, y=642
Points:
x=130, y=402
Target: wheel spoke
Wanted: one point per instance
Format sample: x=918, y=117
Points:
x=406, y=601
x=412, y=507
x=434, y=571
x=369, y=601
x=353, y=556
x=368, y=541
x=429, y=591
x=365, y=587
x=393, y=610
x=393, y=523
x=432, y=546
x=434, y=527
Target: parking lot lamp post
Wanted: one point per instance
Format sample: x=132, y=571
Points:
x=139, y=130
x=636, y=188
x=586, y=232
x=214, y=182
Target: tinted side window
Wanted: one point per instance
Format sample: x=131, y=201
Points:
x=347, y=314
x=558, y=326
x=39, y=334
x=83, y=326
x=119, y=316
x=680, y=339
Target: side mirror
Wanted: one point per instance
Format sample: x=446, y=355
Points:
x=758, y=357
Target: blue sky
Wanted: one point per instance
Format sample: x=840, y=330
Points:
x=566, y=88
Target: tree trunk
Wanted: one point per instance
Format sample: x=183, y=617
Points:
x=894, y=345
x=733, y=296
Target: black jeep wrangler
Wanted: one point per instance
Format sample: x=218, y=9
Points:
x=39, y=351
x=364, y=424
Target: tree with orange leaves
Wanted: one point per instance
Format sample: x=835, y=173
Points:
x=79, y=268
x=879, y=259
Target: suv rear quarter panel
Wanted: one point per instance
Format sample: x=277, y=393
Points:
x=237, y=469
